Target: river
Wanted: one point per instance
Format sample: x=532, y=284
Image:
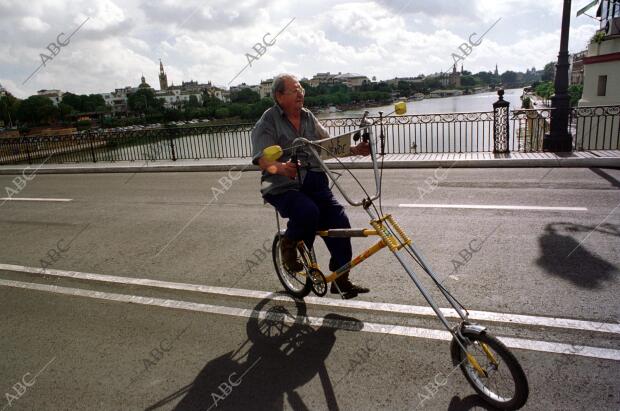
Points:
x=458, y=104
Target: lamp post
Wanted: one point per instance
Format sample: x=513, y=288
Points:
x=559, y=138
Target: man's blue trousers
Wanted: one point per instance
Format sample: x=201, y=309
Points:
x=313, y=208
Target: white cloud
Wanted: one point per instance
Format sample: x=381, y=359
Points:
x=30, y=23
x=209, y=41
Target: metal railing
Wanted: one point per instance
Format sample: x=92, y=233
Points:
x=500, y=132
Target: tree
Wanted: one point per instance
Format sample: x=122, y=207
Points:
x=37, y=110
x=545, y=90
x=8, y=109
x=468, y=81
x=486, y=77
x=245, y=95
x=144, y=100
x=575, y=91
x=509, y=77
x=193, y=101
x=84, y=103
x=548, y=72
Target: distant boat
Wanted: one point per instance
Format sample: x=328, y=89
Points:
x=333, y=109
x=418, y=96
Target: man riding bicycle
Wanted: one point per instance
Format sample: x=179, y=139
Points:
x=306, y=200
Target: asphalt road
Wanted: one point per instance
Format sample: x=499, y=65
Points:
x=537, y=261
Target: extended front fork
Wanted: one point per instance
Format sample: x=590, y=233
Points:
x=396, y=239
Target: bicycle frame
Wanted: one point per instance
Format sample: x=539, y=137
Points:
x=393, y=237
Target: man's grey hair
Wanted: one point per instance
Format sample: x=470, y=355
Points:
x=279, y=84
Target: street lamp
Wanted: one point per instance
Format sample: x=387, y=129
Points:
x=559, y=139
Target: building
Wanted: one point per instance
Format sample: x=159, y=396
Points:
x=412, y=80
x=453, y=79
x=235, y=89
x=351, y=80
x=143, y=84
x=2, y=91
x=322, y=78
x=601, y=76
x=163, y=78
x=117, y=99
x=54, y=95
x=176, y=98
x=265, y=88
x=220, y=93
x=601, y=65
x=576, y=67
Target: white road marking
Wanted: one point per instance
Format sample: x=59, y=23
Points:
x=555, y=322
x=533, y=345
x=35, y=199
x=493, y=207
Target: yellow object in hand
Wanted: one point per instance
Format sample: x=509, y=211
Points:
x=400, y=108
x=272, y=153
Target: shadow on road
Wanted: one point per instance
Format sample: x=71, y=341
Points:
x=563, y=256
x=472, y=402
x=612, y=180
x=282, y=353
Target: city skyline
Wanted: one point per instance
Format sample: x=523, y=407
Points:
x=385, y=39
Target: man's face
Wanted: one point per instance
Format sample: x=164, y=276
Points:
x=292, y=99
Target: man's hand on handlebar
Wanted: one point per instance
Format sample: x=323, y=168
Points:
x=362, y=149
x=288, y=169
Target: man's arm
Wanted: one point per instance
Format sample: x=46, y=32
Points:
x=263, y=136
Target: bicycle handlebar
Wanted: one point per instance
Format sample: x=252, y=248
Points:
x=312, y=144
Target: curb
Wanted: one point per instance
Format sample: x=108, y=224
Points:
x=606, y=162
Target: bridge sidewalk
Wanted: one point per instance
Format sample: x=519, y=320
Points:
x=595, y=158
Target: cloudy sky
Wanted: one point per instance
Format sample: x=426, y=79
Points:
x=207, y=40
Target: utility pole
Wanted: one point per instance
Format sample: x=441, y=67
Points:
x=559, y=138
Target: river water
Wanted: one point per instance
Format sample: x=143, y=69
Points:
x=458, y=104
x=434, y=135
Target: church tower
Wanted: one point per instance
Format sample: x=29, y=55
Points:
x=496, y=72
x=163, y=79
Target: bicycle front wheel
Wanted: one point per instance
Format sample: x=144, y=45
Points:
x=298, y=284
x=499, y=380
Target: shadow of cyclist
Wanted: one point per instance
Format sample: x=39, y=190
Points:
x=469, y=403
x=282, y=353
x=563, y=256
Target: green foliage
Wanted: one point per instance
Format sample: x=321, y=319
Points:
x=509, y=78
x=84, y=124
x=245, y=96
x=598, y=37
x=83, y=103
x=575, y=91
x=143, y=101
x=549, y=72
x=9, y=105
x=526, y=103
x=37, y=110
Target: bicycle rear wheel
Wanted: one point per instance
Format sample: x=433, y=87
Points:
x=501, y=382
x=298, y=284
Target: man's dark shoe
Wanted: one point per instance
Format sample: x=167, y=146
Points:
x=347, y=287
x=290, y=260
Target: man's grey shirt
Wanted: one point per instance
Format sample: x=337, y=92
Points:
x=274, y=128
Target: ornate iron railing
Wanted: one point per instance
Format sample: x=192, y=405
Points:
x=499, y=131
x=596, y=128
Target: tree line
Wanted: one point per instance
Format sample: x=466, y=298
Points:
x=145, y=107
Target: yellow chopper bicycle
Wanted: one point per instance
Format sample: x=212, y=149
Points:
x=488, y=365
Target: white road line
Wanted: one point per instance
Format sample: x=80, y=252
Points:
x=35, y=199
x=493, y=207
x=533, y=345
x=555, y=322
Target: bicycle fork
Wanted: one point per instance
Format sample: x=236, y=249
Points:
x=396, y=240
